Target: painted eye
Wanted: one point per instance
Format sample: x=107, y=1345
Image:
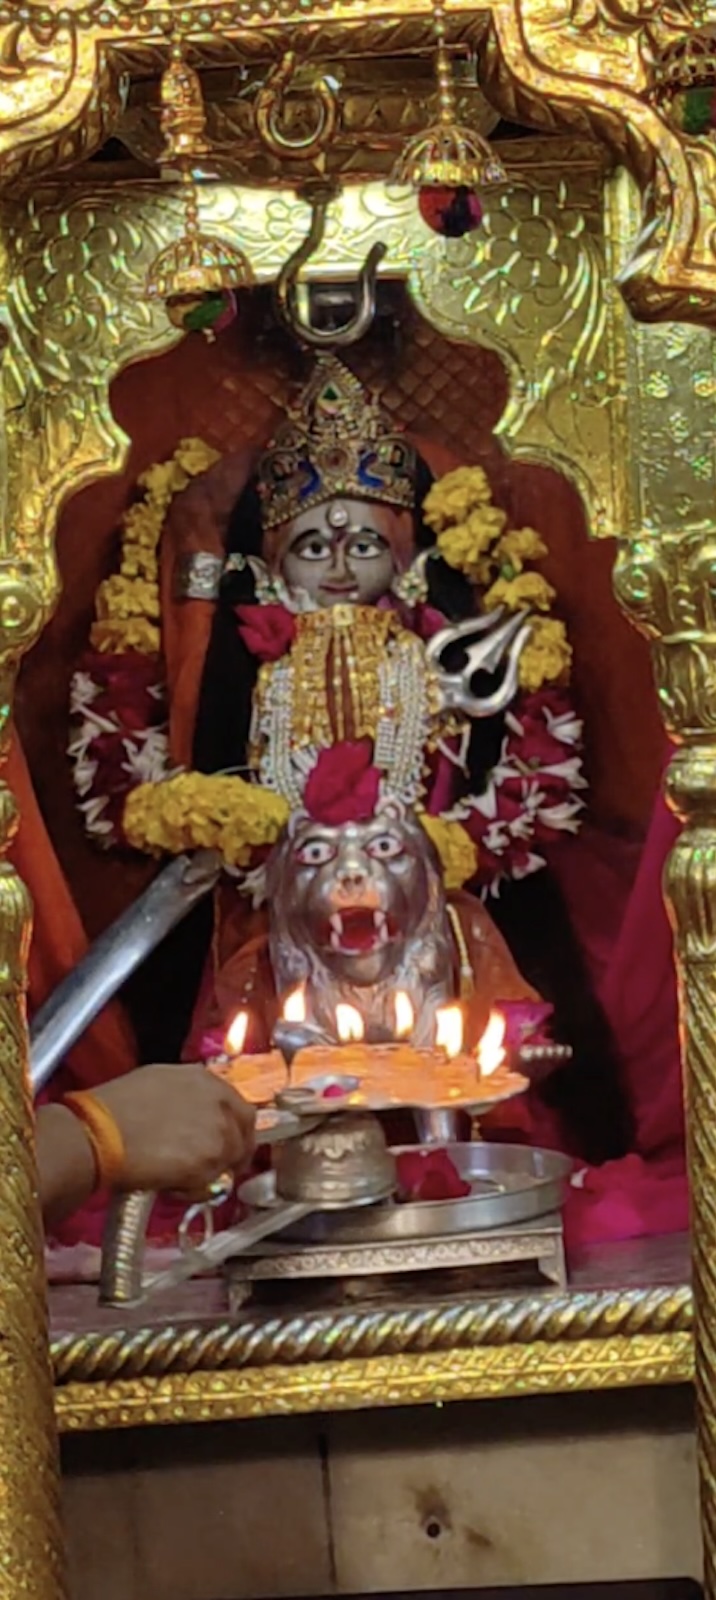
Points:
x=314, y=548
x=315, y=853
x=366, y=546
x=385, y=847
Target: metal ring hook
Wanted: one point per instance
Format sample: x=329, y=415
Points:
x=286, y=297
x=269, y=106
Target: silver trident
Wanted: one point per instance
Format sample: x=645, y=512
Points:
x=489, y=642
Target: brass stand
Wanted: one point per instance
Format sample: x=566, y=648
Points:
x=539, y=1244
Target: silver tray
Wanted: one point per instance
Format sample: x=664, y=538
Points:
x=510, y=1184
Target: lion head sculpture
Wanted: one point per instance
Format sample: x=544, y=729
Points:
x=358, y=912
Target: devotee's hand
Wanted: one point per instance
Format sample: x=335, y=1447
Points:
x=179, y=1127
x=182, y=1127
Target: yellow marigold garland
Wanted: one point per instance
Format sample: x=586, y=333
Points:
x=194, y=810
x=457, y=851
x=127, y=609
x=472, y=536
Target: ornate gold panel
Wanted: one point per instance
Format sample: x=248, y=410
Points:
x=380, y=105
x=532, y=285
x=584, y=66
x=627, y=411
x=487, y=1374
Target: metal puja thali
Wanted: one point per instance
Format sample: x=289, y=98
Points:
x=334, y=1094
x=509, y=1185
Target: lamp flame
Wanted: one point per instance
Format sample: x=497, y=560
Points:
x=404, y=1015
x=294, y=1006
x=349, y=1023
x=491, y=1049
x=236, y=1034
x=449, y=1030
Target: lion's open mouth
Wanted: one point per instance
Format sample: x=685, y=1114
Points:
x=359, y=929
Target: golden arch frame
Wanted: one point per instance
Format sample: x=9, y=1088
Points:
x=585, y=67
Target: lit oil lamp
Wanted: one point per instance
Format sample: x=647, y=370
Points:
x=491, y=1052
x=349, y=1024
x=450, y=1029
x=330, y=1070
x=293, y=1032
x=257, y=1077
x=294, y=1006
x=404, y=1015
x=236, y=1035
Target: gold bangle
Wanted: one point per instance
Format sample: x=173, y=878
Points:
x=104, y=1136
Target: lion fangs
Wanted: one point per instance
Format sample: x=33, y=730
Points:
x=380, y=923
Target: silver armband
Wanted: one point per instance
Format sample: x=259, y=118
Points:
x=199, y=576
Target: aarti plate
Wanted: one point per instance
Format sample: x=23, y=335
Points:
x=337, y=1093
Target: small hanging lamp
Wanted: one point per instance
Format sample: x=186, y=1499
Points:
x=684, y=87
x=448, y=164
x=198, y=275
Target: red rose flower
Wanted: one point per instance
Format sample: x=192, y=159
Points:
x=511, y=805
x=427, y=622
x=267, y=631
x=129, y=688
x=429, y=1175
x=344, y=785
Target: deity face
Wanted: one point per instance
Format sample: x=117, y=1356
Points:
x=341, y=553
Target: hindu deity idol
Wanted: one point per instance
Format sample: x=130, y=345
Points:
x=365, y=710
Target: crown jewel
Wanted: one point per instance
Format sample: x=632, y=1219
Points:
x=336, y=440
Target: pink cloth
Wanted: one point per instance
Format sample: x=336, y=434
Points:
x=629, y=948
x=640, y=998
x=627, y=941
x=627, y=1199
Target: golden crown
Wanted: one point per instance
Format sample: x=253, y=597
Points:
x=336, y=441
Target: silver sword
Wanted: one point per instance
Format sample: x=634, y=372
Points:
x=114, y=957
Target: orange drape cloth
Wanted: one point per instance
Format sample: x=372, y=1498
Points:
x=197, y=521
x=59, y=941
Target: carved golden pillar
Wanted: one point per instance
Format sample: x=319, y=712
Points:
x=32, y=1565
x=668, y=587
x=691, y=892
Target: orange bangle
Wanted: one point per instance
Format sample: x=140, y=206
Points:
x=103, y=1134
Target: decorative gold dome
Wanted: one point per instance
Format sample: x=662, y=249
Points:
x=448, y=155
x=688, y=63
x=197, y=264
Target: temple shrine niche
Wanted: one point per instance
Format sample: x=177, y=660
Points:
x=337, y=593
x=340, y=469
